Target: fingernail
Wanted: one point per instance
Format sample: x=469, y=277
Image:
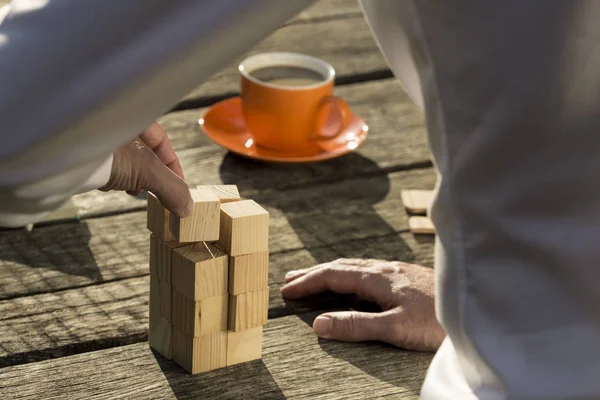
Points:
x=322, y=326
x=189, y=208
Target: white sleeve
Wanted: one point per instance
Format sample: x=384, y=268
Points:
x=80, y=77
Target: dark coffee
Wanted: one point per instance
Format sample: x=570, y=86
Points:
x=287, y=76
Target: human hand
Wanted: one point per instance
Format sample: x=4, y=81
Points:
x=403, y=291
x=150, y=163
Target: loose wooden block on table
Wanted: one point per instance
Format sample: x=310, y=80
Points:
x=244, y=228
x=225, y=193
x=201, y=353
x=199, y=271
x=417, y=201
x=200, y=317
x=203, y=224
x=158, y=219
x=244, y=346
x=421, y=225
x=249, y=272
x=248, y=310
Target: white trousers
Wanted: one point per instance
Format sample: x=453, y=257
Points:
x=511, y=91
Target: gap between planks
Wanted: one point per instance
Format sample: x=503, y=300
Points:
x=341, y=80
x=292, y=357
x=113, y=314
x=274, y=253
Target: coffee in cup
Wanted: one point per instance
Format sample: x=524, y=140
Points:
x=288, y=102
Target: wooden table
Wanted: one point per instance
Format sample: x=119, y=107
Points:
x=74, y=295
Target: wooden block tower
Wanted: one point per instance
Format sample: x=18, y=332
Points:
x=209, y=280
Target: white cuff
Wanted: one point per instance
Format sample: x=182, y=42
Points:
x=99, y=178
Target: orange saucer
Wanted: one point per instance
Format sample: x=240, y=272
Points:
x=224, y=124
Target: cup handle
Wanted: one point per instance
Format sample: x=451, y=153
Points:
x=321, y=120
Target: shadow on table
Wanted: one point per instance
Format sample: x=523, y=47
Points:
x=330, y=215
x=60, y=247
x=251, y=380
x=401, y=368
x=321, y=212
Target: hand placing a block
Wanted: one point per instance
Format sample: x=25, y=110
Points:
x=149, y=163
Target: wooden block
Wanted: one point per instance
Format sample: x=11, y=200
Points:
x=225, y=193
x=244, y=346
x=421, y=225
x=248, y=310
x=158, y=219
x=161, y=258
x=249, y=272
x=154, y=261
x=244, y=228
x=160, y=297
x=201, y=353
x=417, y=201
x=199, y=271
x=203, y=224
x=197, y=318
x=159, y=332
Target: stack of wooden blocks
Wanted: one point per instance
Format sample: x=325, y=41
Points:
x=209, y=292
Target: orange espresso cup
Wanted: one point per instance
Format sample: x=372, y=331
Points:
x=289, y=113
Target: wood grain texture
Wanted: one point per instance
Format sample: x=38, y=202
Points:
x=159, y=333
x=116, y=313
x=248, y=310
x=196, y=318
x=161, y=258
x=225, y=193
x=328, y=9
x=244, y=228
x=248, y=272
x=198, y=354
x=421, y=225
x=244, y=346
x=349, y=48
x=295, y=365
x=203, y=223
x=417, y=201
x=99, y=250
x=160, y=297
x=200, y=271
x=397, y=140
x=158, y=219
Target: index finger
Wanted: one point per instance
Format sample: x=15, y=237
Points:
x=337, y=279
x=156, y=138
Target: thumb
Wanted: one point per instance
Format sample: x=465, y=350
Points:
x=353, y=326
x=172, y=191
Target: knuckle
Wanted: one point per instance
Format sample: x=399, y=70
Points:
x=350, y=324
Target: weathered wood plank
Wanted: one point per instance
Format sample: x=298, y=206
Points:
x=397, y=139
x=295, y=365
x=84, y=319
x=328, y=9
x=346, y=43
x=103, y=249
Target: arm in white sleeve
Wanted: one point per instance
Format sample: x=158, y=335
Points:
x=78, y=78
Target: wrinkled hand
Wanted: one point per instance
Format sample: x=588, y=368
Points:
x=150, y=163
x=403, y=291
